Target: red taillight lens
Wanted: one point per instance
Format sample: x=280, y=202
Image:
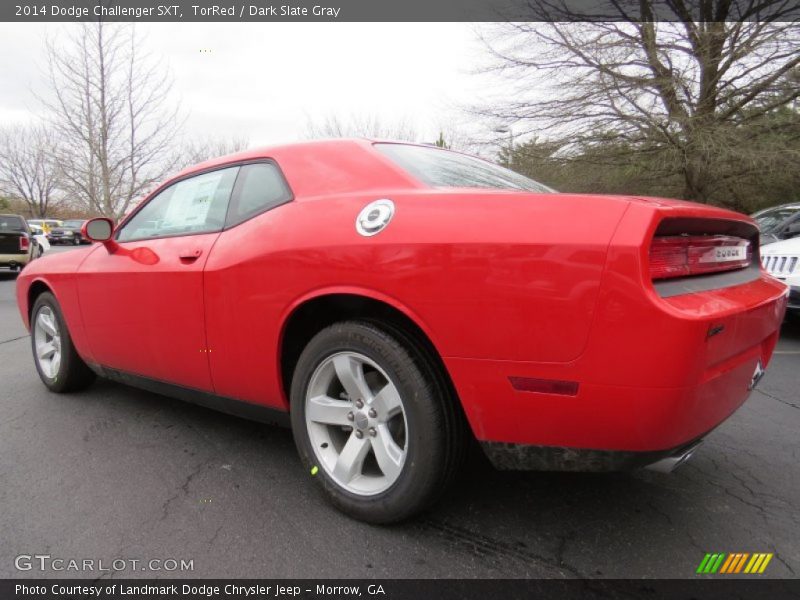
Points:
x=685, y=255
x=24, y=243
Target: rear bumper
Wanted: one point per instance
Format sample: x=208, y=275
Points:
x=655, y=376
x=520, y=457
x=601, y=416
x=10, y=260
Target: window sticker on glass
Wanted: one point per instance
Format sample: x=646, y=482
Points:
x=191, y=201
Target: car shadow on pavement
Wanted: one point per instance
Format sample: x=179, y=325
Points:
x=790, y=331
x=511, y=521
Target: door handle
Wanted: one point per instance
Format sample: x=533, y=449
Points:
x=190, y=255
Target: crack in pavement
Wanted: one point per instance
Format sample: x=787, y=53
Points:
x=486, y=547
x=783, y=562
x=781, y=400
x=762, y=512
x=651, y=504
x=16, y=339
x=183, y=490
x=214, y=537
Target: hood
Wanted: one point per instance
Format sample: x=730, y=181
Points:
x=54, y=265
x=791, y=246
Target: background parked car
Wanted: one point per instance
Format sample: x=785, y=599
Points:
x=45, y=224
x=68, y=233
x=39, y=234
x=17, y=248
x=778, y=223
x=782, y=260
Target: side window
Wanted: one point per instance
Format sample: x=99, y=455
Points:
x=195, y=205
x=260, y=186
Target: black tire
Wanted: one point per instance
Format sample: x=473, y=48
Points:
x=73, y=374
x=76, y=241
x=434, y=435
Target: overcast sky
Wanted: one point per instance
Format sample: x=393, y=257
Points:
x=264, y=81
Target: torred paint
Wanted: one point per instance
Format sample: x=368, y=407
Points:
x=164, y=308
x=505, y=284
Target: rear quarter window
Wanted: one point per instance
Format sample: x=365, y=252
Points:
x=259, y=187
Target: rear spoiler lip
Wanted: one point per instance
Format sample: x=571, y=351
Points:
x=683, y=208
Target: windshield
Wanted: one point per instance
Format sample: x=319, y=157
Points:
x=11, y=223
x=74, y=224
x=442, y=168
x=773, y=219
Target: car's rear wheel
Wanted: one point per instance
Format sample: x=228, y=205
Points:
x=370, y=422
x=60, y=367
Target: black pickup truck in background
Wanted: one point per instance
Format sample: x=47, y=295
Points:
x=17, y=245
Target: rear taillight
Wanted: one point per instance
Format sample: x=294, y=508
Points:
x=685, y=255
x=24, y=243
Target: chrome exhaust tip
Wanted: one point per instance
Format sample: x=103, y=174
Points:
x=670, y=463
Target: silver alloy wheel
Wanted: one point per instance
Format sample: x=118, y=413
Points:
x=356, y=423
x=47, y=340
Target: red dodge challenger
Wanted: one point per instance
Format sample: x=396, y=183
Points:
x=393, y=302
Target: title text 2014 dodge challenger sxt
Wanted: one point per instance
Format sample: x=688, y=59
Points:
x=392, y=301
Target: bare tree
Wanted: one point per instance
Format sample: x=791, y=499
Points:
x=197, y=150
x=698, y=91
x=369, y=126
x=110, y=109
x=27, y=168
x=449, y=134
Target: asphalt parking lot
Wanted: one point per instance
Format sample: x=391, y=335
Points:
x=114, y=472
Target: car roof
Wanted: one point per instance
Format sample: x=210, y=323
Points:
x=336, y=166
x=793, y=205
x=327, y=144
x=266, y=151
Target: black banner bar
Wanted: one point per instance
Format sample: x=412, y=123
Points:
x=386, y=10
x=398, y=589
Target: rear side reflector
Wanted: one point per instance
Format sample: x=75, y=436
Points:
x=544, y=386
x=24, y=243
x=686, y=255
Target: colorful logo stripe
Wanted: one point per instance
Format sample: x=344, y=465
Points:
x=735, y=562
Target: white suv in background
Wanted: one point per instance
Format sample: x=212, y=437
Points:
x=782, y=260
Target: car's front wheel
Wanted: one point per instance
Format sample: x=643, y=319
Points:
x=372, y=422
x=60, y=367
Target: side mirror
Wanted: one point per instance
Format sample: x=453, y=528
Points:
x=98, y=230
x=793, y=229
